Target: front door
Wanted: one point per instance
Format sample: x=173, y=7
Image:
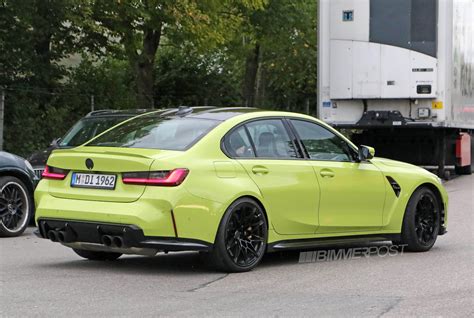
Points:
x=352, y=193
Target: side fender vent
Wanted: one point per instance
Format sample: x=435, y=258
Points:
x=395, y=186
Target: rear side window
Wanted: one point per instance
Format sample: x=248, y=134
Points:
x=153, y=132
x=238, y=144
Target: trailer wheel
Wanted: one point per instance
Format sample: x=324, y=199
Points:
x=463, y=170
x=447, y=175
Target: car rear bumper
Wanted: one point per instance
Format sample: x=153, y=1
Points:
x=160, y=212
x=90, y=236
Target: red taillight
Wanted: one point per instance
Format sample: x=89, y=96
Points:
x=171, y=178
x=54, y=173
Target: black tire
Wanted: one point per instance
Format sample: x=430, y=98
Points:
x=16, y=207
x=97, y=256
x=241, y=240
x=466, y=170
x=421, y=222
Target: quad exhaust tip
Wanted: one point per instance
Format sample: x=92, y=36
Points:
x=61, y=236
x=53, y=236
x=117, y=241
x=107, y=240
x=112, y=241
x=66, y=235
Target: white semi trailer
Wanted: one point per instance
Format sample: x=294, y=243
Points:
x=400, y=73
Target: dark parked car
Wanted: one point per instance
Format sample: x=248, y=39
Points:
x=17, y=183
x=85, y=129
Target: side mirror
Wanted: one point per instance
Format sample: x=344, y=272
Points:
x=366, y=153
x=55, y=143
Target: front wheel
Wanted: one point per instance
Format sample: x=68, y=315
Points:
x=97, y=256
x=422, y=221
x=15, y=207
x=241, y=240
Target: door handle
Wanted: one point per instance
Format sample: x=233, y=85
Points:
x=259, y=170
x=326, y=173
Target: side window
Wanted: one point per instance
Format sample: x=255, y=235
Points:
x=238, y=145
x=271, y=139
x=320, y=143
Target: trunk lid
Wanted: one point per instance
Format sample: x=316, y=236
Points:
x=107, y=161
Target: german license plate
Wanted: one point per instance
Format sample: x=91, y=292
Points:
x=92, y=180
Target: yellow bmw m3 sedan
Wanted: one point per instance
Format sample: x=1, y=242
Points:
x=234, y=184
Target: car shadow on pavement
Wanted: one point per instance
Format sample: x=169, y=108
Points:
x=188, y=262
x=184, y=262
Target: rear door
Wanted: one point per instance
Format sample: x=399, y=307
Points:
x=266, y=149
x=352, y=193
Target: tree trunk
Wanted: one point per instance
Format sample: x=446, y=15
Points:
x=143, y=65
x=144, y=80
x=43, y=76
x=251, y=71
x=260, y=84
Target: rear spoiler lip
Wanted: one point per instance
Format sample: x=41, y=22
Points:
x=113, y=151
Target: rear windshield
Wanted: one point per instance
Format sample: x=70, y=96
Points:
x=87, y=128
x=153, y=132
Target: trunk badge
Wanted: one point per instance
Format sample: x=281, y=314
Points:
x=89, y=164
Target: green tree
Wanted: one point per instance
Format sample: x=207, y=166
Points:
x=187, y=77
x=141, y=27
x=35, y=37
x=279, y=51
x=110, y=81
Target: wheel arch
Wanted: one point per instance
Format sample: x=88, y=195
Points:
x=246, y=196
x=259, y=202
x=21, y=176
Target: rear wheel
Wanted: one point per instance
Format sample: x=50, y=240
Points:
x=97, y=256
x=15, y=207
x=422, y=221
x=242, y=237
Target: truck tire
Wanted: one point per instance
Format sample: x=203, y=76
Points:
x=464, y=170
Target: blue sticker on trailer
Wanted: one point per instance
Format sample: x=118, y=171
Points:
x=327, y=104
x=348, y=15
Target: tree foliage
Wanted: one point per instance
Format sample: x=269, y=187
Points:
x=280, y=48
x=58, y=55
x=140, y=27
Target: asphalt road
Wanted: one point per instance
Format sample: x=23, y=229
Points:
x=39, y=278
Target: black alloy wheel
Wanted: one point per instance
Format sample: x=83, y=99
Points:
x=426, y=220
x=421, y=223
x=242, y=237
x=245, y=231
x=15, y=207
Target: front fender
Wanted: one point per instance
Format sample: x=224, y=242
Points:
x=409, y=178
